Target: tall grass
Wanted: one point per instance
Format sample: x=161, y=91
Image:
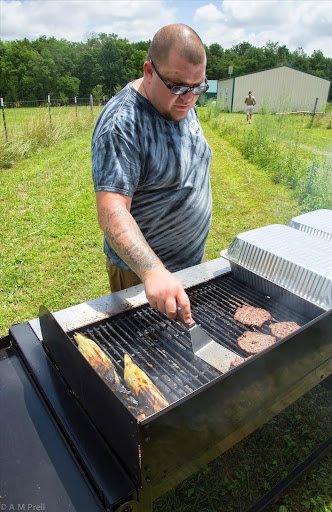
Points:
x=30, y=131
x=276, y=144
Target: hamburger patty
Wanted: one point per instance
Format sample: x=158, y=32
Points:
x=253, y=317
x=282, y=329
x=254, y=342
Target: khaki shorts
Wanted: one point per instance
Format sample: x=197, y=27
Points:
x=120, y=279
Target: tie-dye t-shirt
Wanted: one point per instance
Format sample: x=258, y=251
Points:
x=164, y=166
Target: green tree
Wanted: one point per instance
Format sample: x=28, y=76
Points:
x=300, y=60
x=318, y=64
x=117, y=88
x=30, y=70
x=242, y=48
x=89, y=71
x=283, y=55
x=68, y=86
x=110, y=59
x=215, y=62
x=97, y=93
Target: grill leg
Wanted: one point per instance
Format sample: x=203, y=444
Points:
x=292, y=476
x=144, y=499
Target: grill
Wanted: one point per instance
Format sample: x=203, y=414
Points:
x=209, y=412
x=129, y=463
x=162, y=347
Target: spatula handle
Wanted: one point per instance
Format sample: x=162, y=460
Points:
x=180, y=317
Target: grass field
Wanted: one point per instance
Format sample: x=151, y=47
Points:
x=51, y=254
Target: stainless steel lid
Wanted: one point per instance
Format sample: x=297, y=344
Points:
x=317, y=223
x=289, y=258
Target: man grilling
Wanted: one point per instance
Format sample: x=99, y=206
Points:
x=150, y=168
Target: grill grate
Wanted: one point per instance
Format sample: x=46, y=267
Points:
x=162, y=347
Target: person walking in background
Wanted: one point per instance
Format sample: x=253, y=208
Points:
x=250, y=101
x=150, y=168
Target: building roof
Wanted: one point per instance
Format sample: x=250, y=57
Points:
x=275, y=67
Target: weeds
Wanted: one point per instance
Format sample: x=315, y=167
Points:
x=275, y=144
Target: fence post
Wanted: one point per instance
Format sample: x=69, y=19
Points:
x=4, y=117
x=91, y=102
x=49, y=108
x=314, y=112
x=76, y=105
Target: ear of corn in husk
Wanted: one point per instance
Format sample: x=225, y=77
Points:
x=98, y=359
x=142, y=388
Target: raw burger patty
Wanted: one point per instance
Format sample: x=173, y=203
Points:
x=253, y=317
x=254, y=342
x=282, y=329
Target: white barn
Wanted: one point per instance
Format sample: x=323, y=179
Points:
x=279, y=89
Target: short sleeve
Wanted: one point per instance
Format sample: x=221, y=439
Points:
x=116, y=164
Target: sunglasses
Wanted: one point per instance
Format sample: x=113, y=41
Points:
x=182, y=89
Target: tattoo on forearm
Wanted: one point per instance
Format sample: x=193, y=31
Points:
x=127, y=240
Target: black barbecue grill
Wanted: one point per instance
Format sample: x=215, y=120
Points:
x=162, y=347
x=129, y=463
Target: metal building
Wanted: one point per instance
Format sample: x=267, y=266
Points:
x=211, y=93
x=279, y=89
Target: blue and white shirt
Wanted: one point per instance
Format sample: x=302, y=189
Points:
x=164, y=166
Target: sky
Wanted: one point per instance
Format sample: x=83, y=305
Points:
x=295, y=23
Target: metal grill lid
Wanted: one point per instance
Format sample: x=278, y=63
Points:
x=292, y=259
x=317, y=223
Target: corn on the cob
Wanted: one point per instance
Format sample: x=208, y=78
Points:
x=97, y=358
x=143, y=389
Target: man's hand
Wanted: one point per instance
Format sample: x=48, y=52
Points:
x=165, y=292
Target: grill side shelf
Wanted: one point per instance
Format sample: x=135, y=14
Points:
x=112, y=419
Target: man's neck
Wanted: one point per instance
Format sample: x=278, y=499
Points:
x=139, y=86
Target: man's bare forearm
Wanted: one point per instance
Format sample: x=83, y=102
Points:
x=127, y=240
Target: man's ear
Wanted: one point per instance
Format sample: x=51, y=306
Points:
x=147, y=70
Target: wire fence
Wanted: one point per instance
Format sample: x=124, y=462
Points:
x=19, y=113
x=55, y=102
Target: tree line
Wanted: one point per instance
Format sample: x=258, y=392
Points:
x=31, y=70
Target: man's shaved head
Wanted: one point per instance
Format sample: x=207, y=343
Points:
x=183, y=39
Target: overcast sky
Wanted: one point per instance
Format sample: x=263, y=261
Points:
x=295, y=23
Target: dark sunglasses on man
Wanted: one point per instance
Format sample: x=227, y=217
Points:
x=182, y=89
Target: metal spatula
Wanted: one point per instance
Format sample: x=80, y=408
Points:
x=206, y=348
